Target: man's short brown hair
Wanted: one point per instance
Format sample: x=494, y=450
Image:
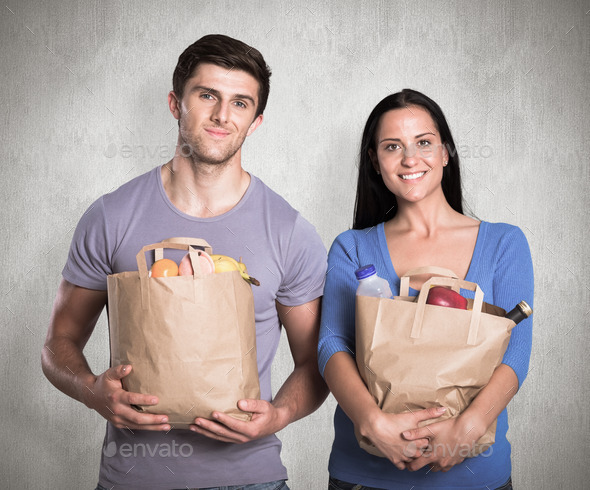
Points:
x=227, y=52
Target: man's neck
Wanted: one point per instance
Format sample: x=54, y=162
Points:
x=203, y=190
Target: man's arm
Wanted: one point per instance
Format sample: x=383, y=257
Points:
x=75, y=313
x=302, y=392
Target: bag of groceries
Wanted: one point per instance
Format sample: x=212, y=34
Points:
x=191, y=339
x=413, y=355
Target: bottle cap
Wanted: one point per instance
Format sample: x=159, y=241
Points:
x=525, y=308
x=365, y=271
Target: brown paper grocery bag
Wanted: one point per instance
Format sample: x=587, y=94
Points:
x=190, y=339
x=413, y=356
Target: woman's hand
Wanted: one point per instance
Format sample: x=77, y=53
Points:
x=451, y=441
x=384, y=431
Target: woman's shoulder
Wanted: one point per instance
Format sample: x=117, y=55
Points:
x=502, y=230
x=352, y=239
x=502, y=237
x=359, y=236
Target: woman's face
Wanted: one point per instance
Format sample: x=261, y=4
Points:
x=409, y=154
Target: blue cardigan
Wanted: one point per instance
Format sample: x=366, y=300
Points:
x=502, y=266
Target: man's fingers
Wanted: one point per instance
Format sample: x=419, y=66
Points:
x=118, y=372
x=131, y=419
x=211, y=435
x=231, y=422
x=140, y=399
x=216, y=431
x=252, y=405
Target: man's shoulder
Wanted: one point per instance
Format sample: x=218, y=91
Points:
x=137, y=188
x=273, y=201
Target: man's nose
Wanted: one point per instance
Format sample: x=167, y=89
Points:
x=221, y=112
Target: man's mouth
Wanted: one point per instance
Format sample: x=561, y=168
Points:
x=217, y=132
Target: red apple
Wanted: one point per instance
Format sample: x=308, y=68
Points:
x=441, y=296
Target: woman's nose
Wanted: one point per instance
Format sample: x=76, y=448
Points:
x=410, y=156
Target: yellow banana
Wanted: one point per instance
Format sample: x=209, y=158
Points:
x=223, y=263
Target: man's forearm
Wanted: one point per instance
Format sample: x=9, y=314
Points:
x=302, y=392
x=66, y=368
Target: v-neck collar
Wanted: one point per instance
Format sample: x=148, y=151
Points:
x=472, y=265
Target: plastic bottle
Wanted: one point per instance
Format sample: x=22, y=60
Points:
x=370, y=284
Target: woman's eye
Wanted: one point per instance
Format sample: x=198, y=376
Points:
x=392, y=147
x=423, y=143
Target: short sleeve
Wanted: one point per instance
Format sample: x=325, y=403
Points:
x=513, y=282
x=305, y=266
x=88, y=263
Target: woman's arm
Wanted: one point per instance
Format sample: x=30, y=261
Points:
x=453, y=439
x=336, y=357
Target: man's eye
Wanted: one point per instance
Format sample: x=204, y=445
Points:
x=206, y=96
x=240, y=104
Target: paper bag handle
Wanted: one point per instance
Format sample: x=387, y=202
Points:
x=184, y=245
x=194, y=242
x=449, y=281
x=404, y=285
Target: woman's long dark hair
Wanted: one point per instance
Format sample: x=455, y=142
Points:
x=375, y=203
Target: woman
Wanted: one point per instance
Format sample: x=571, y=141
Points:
x=408, y=214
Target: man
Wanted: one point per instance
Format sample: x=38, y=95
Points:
x=220, y=88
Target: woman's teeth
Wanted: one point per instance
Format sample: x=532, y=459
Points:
x=413, y=176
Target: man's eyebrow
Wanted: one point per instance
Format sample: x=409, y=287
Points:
x=216, y=93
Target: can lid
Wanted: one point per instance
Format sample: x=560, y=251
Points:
x=525, y=308
x=365, y=271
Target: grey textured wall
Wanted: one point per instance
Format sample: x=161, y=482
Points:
x=83, y=92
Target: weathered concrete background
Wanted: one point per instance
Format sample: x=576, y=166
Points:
x=83, y=88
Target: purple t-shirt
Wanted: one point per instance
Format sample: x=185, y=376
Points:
x=280, y=248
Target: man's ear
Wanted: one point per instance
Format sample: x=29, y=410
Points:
x=174, y=104
x=257, y=122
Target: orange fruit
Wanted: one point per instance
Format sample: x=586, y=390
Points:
x=164, y=268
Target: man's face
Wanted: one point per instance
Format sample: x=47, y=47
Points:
x=216, y=113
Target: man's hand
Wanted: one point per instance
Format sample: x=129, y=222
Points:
x=107, y=396
x=266, y=419
x=302, y=392
x=74, y=316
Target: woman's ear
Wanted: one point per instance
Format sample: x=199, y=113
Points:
x=374, y=160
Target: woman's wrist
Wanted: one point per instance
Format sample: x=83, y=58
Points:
x=472, y=425
x=368, y=420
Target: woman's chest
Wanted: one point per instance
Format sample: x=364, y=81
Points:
x=453, y=253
